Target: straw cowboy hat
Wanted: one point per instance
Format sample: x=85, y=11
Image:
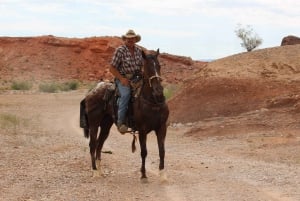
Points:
x=131, y=34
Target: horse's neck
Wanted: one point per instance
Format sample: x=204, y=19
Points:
x=146, y=91
x=147, y=96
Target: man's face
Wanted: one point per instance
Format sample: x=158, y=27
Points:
x=130, y=41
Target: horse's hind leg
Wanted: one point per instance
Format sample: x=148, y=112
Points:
x=105, y=126
x=93, y=145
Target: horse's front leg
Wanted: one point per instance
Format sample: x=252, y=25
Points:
x=143, y=145
x=161, y=136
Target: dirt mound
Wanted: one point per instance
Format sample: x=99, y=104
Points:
x=239, y=84
x=223, y=97
x=276, y=63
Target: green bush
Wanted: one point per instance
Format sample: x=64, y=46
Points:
x=49, y=87
x=169, y=91
x=21, y=85
x=55, y=87
x=71, y=85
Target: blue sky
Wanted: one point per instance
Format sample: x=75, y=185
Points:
x=200, y=29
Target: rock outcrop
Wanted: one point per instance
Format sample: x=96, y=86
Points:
x=290, y=40
x=49, y=57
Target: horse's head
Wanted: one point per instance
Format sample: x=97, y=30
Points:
x=151, y=72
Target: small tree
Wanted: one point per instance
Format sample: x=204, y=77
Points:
x=250, y=39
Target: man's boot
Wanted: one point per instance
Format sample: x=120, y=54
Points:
x=122, y=128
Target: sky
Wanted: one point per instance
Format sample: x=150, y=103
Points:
x=200, y=29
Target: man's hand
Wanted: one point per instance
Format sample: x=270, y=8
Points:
x=124, y=81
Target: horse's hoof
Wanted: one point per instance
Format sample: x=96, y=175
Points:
x=163, y=176
x=96, y=173
x=98, y=164
x=144, y=180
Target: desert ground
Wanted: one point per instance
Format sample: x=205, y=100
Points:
x=44, y=156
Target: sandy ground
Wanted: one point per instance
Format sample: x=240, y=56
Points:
x=44, y=156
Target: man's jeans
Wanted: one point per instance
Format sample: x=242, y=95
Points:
x=123, y=101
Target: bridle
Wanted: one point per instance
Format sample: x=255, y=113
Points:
x=156, y=75
x=152, y=68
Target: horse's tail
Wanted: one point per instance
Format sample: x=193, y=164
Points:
x=84, y=123
x=133, y=148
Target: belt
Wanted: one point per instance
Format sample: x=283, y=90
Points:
x=128, y=76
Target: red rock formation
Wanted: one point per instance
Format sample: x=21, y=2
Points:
x=87, y=59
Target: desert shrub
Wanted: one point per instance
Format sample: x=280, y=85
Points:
x=55, y=87
x=167, y=93
x=21, y=85
x=49, y=87
x=74, y=84
x=170, y=90
x=71, y=85
x=250, y=40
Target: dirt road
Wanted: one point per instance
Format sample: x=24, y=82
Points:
x=44, y=156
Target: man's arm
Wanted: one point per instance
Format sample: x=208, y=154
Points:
x=117, y=74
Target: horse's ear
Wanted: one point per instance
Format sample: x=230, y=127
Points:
x=144, y=55
x=157, y=52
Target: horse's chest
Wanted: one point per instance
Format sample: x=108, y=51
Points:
x=150, y=114
x=149, y=110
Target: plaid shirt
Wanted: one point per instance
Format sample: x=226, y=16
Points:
x=124, y=62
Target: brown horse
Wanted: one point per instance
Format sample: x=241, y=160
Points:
x=149, y=112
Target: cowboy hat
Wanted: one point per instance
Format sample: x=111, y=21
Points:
x=131, y=34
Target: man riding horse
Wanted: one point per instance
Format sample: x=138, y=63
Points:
x=126, y=60
x=147, y=110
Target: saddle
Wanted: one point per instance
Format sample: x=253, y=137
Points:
x=136, y=86
x=107, y=94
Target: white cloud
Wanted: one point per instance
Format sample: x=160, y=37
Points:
x=176, y=25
